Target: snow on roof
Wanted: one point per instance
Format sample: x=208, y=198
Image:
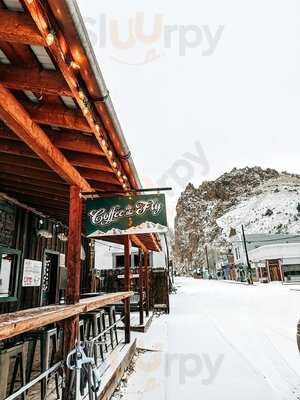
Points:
x=275, y=252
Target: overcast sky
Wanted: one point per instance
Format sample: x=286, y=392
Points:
x=218, y=76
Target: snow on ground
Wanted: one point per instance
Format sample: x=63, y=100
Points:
x=223, y=341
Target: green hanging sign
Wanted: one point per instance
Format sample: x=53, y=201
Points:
x=126, y=215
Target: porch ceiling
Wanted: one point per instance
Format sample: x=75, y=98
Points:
x=55, y=129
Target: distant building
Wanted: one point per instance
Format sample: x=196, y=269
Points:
x=265, y=252
x=277, y=262
x=111, y=255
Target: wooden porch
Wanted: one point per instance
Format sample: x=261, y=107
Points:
x=59, y=137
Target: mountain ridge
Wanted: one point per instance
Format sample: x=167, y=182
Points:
x=263, y=200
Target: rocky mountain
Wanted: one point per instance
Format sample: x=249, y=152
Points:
x=264, y=201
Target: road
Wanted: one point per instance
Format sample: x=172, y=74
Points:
x=221, y=341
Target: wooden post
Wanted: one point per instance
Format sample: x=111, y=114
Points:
x=268, y=270
x=127, y=280
x=71, y=325
x=141, y=288
x=146, y=263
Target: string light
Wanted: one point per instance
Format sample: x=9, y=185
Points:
x=74, y=65
x=97, y=127
x=114, y=164
x=103, y=142
x=110, y=153
x=119, y=173
x=81, y=95
x=50, y=38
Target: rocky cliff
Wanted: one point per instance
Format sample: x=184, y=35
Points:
x=264, y=201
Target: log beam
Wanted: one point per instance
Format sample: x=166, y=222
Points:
x=17, y=119
x=60, y=139
x=32, y=190
x=36, y=80
x=34, y=182
x=58, y=116
x=99, y=176
x=71, y=325
x=17, y=27
x=127, y=280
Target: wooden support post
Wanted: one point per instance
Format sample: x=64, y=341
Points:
x=141, y=288
x=127, y=280
x=146, y=264
x=71, y=325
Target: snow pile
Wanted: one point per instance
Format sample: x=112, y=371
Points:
x=272, y=211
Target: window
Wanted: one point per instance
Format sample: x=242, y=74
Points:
x=9, y=274
x=120, y=261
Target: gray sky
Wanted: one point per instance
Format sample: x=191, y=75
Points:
x=240, y=104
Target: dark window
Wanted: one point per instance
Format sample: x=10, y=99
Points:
x=120, y=261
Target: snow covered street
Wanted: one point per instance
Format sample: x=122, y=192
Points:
x=221, y=340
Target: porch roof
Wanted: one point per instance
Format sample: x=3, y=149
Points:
x=58, y=126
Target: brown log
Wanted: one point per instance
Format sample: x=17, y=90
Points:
x=74, y=246
x=61, y=139
x=99, y=176
x=20, y=161
x=138, y=242
x=71, y=326
x=105, y=187
x=18, y=54
x=17, y=27
x=57, y=115
x=30, y=173
x=32, y=190
x=97, y=163
x=33, y=182
x=15, y=147
x=35, y=80
x=147, y=286
x=14, y=324
x=75, y=142
x=55, y=202
x=141, y=288
x=17, y=119
x=127, y=281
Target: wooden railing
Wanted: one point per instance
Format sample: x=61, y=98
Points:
x=14, y=324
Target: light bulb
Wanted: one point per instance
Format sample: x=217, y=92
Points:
x=50, y=38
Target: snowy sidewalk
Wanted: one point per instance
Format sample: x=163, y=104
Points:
x=221, y=341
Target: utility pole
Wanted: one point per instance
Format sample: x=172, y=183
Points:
x=250, y=280
x=207, y=261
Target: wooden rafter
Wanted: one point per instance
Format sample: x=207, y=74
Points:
x=35, y=194
x=37, y=80
x=65, y=141
x=138, y=243
x=33, y=181
x=58, y=116
x=18, y=153
x=17, y=119
x=19, y=28
x=28, y=189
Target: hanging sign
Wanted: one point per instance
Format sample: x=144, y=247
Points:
x=126, y=215
x=32, y=273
